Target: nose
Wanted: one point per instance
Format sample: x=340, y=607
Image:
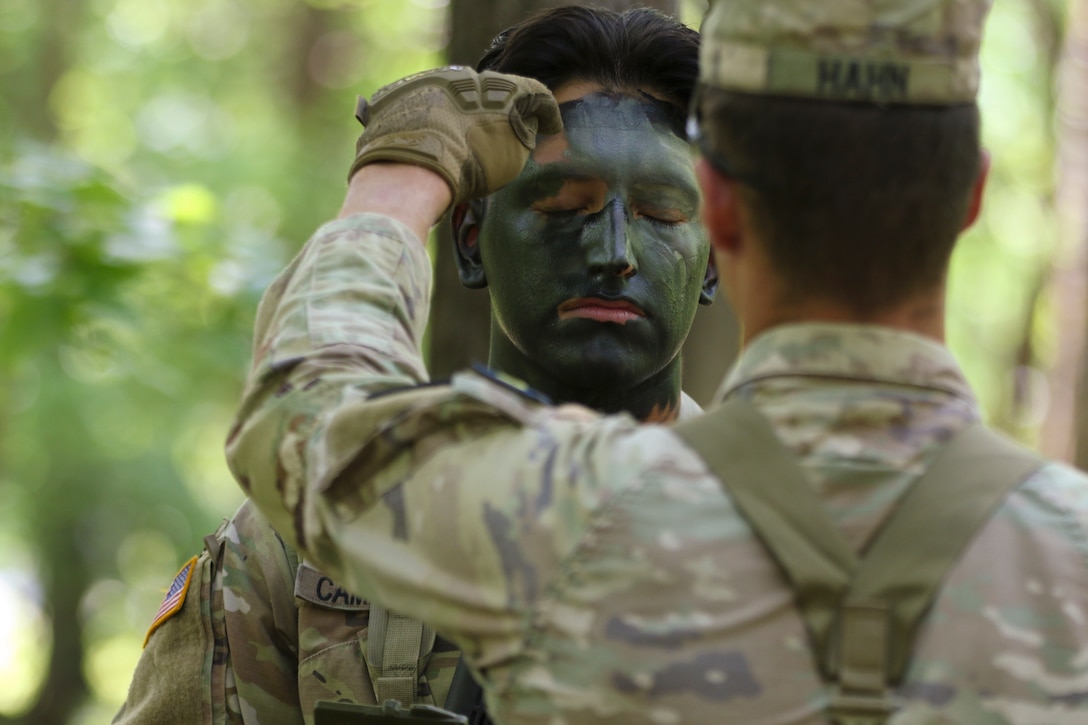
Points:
x=608, y=250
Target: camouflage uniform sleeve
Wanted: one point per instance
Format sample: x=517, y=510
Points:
x=228, y=655
x=344, y=320
x=396, y=495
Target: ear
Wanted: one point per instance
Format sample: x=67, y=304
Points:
x=721, y=216
x=466, y=220
x=975, y=205
x=710, y=281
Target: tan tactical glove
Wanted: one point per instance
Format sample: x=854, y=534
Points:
x=475, y=130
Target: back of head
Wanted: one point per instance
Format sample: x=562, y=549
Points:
x=634, y=49
x=854, y=131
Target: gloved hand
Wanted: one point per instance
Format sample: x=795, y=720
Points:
x=473, y=129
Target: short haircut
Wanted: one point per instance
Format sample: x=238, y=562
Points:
x=855, y=203
x=637, y=48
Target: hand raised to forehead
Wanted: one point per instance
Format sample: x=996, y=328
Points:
x=475, y=130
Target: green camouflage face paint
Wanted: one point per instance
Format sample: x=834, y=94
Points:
x=595, y=257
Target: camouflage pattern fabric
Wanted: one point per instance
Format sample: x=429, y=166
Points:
x=275, y=637
x=261, y=639
x=591, y=569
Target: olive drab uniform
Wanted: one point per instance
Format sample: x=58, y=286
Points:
x=594, y=570
x=263, y=637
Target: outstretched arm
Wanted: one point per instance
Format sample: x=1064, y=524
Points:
x=317, y=452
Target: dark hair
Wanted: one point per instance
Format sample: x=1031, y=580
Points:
x=859, y=204
x=637, y=48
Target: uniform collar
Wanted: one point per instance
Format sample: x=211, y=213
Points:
x=863, y=353
x=688, y=407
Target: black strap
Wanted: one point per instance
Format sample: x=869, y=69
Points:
x=466, y=697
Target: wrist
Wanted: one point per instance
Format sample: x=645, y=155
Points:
x=410, y=194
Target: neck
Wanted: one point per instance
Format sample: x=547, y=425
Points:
x=922, y=315
x=655, y=400
x=762, y=302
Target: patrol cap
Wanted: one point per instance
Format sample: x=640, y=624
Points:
x=921, y=52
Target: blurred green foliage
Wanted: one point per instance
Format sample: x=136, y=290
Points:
x=999, y=322
x=159, y=161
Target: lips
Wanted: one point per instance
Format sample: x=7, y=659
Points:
x=599, y=309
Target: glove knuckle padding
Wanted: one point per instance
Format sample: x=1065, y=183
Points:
x=474, y=130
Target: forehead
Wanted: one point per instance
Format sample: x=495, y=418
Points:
x=633, y=111
x=615, y=133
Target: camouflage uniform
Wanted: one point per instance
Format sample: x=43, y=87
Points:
x=593, y=569
x=263, y=637
x=239, y=636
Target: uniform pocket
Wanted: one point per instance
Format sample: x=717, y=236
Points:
x=332, y=630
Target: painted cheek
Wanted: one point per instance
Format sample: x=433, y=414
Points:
x=676, y=249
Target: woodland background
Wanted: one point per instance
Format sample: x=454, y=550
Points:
x=160, y=160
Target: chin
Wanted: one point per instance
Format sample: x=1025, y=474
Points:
x=603, y=378
x=601, y=371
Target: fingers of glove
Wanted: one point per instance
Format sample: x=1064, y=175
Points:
x=485, y=93
x=535, y=113
x=499, y=160
x=479, y=127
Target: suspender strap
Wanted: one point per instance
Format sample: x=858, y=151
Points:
x=396, y=650
x=861, y=615
x=935, y=521
x=778, y=502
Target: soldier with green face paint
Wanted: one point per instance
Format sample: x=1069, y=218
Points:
x=611, y=258
x=596, y=263
x=839, y=541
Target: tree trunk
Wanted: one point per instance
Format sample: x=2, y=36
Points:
x=61, y=24
x=65, y=580
x=460, y=317
x=57, y=523
x=1065, y=431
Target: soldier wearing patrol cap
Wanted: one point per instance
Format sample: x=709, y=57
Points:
x=839, y=540
x=248, y=632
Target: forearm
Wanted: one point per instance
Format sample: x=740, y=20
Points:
x=412, y=195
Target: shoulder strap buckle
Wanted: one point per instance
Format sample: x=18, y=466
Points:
x=861, y=695
x=397, y=650
x=866, y=708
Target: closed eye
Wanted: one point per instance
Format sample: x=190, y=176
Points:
x=663, y=217
x=574, y=196
x=557, y=211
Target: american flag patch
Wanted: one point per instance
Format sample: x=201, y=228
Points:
x=175, y=597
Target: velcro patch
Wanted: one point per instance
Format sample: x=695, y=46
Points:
x=175, y=597
x=318, y=588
